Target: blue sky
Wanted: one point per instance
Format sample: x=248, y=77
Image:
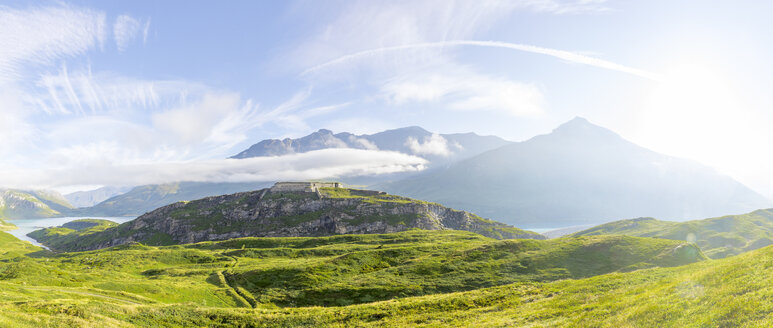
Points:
x=121, y=87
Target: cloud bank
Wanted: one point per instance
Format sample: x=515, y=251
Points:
x=432, y=145
x=320, y=164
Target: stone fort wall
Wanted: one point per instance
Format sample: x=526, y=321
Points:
x=303, y=186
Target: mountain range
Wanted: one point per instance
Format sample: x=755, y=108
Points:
x=579, y=174
x=437, y=148
x=89, y=198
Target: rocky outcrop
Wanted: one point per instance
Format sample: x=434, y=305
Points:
x=270, y=214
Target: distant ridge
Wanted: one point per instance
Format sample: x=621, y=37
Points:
x=580, y=174
x=142, y=199
x=444, y=147
x=31, y=204
x=718, y=237
x=93, y=197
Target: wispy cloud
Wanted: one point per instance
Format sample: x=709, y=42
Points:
x=80, y=91
x=126, y=29
x=31, y=39
x=327, y=163
x=145, y=31
x=566, y=7
x=43, y=35
x=362, y=25
x=103, y=117
x=402, y=52
x=200, y=125
x=561, y=54
x=463, y=90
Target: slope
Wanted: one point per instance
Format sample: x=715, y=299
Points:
x=276, y=213
x=200, y=284
x=450, y=147
x=90, y=198
x=580, y=174
x=718, y=237
x=22, y=204
x=4, y=226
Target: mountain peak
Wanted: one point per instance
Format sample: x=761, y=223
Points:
x=579, y=126
x=391, y=140
x=323, y=131
x=577, y=121
x=409, y=129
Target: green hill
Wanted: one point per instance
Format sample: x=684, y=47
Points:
x=718, y=237
x=69, y=234
x=4, y=226
x=275, y=279
x=275, y=213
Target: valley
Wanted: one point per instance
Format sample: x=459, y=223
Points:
x=381, y=163
x=399, y=273
x=272, y=274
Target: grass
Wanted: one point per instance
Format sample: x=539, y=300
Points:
x=368, y=196
x=344, y=280
x=71, y=232
x=5, y=226
x=718, y=237
x=261, y=213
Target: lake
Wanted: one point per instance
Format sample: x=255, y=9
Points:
x=27, y=226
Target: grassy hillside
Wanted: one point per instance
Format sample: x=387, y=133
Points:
x=266, y=213
x=53, y=200
x=202, y=284
x=718, y=237
x=4, y=226
x=71, y=232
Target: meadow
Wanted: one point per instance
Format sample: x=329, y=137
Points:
x=414, y=277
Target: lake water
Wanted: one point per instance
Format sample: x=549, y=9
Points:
x=27, y=226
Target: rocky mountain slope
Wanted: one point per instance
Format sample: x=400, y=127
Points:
x=437, y=148
x=267, y=213
x=22, y=204
x=580, y=174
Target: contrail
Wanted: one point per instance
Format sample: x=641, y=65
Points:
x=561, y=54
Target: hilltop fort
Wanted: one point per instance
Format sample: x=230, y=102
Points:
x=303, y=186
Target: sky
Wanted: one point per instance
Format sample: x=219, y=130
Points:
x=133, y=92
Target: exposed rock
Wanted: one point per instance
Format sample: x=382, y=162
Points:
x=290, y=214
